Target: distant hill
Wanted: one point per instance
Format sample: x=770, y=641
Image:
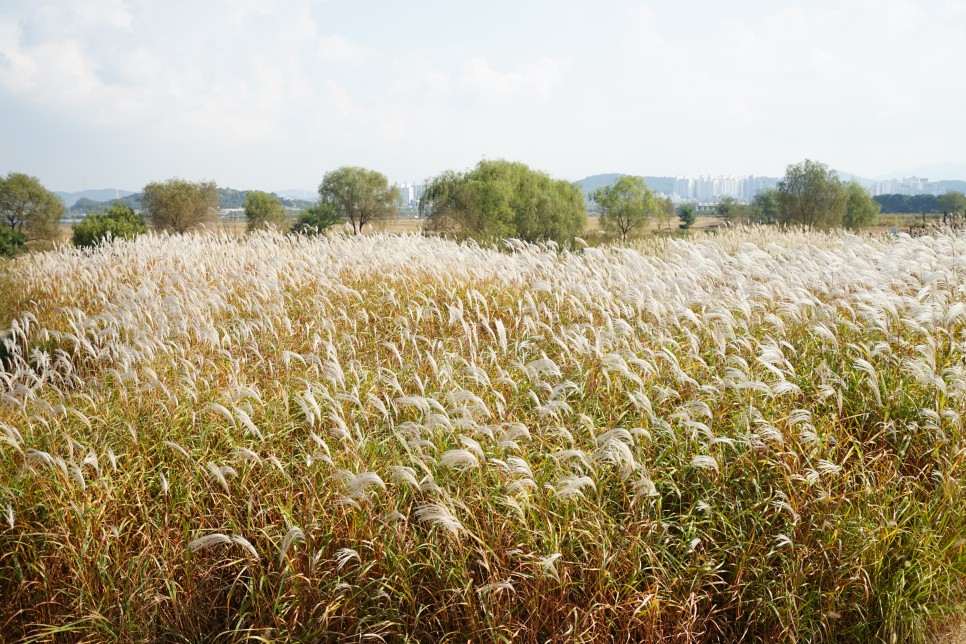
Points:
x=82, y=205
x=862, y=181
x=104, y=194
x=227, y=198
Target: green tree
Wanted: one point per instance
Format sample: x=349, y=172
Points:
x=951, y=203
x=263, y=210
x=471, y=204
x=626, y=206
x=811, y=195
x=26, y=207
x=727, y=209
x=499, y=199
x=316, y=219
x=920, y=204
x=688, y=216
x=11, y=242
x=178, y=206
x=359, y=196
x=118, y=222
x=765, y=206
x=666, y=211
x=861, y=210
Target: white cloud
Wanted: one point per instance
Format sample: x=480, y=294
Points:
x=336, y=100
x=339, y=51
x=114, y=13
x=17, y=68
x=652, y=88
x=536, y=79
x=416, y=79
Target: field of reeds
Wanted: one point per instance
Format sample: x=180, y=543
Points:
x=755, y=435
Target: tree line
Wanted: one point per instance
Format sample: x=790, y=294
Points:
x=948, y=203
x=227, y=198
x=496, y=199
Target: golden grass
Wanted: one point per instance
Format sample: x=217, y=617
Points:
x=754, y=434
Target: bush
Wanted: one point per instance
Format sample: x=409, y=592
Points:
x=117, y=222
x=317, y=219
x=11, y=242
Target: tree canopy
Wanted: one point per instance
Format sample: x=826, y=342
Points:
x=728, y=209
x=316, y=219
x=118, y=221
x=688, y=215
x=952, y=202
x=178, y=206
x=27, y=208
x=358, y=195
x=263, y=210
x=765, y=206
x=902, y=204
x=810, y=194
x=626, y=205
x=861, y=210
x=500, y=199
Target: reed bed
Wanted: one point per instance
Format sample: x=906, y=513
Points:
x=753, y=435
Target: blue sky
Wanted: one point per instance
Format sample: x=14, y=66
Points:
x=272, y=94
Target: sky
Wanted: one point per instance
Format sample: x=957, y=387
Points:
x=272, y=94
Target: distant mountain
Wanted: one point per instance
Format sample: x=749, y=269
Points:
x=83, y=205
x=862, y=181
x=104, y=194
x=588, y=184
x=227, y=198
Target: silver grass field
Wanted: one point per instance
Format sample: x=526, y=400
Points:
x=753, y=435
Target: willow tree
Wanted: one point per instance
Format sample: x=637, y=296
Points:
x=810, y=194
x=359, y=196
x=861, y=210
x=500, y=199
x=264, y=211
x=178, y=206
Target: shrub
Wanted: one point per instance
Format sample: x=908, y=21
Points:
x=117, y=222
x=12, y=242
x=317, y=219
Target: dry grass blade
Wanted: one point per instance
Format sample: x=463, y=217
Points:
x=208, y=541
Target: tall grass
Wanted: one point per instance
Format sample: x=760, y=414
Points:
x=751, y=435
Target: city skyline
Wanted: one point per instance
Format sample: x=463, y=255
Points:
x=271, y=95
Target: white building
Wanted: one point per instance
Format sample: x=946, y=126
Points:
x=407, y=196
x=906, y=186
